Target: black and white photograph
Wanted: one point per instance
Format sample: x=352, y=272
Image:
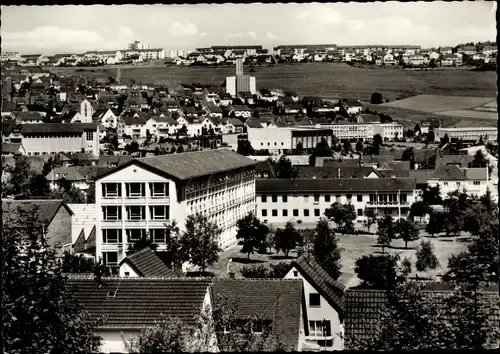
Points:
x=254, y=177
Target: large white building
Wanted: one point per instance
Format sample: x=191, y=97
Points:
x=363, y=131
x=467, y=133
x=240, y=82
x=53, y=138
x=140, y=196
x=277, y=140
x=283, y=200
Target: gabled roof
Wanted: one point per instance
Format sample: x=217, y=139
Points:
x=134, y=121
x=364, y=307
x=47, y=208
x=277, y=300
x=478, y=174
x=462, y=160
x=147, y=264
x=323, y=185
x=421, y=176
x=236, y=122
x=253, y=123
x=448, y=173
x=191, y=164
x=331, y=289
x=11, y=148
x=29, y=116
x=139, y=302
x=265, y=166
x=241, y=108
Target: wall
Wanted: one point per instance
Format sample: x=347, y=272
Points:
x=125, y=268
x=270, y=138
x=112, y=340
x=450, y=186
x=128, y=174
x=324, y=311
x=231, y=85
x=59, y=230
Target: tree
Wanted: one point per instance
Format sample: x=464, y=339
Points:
x=20, y=175
x=417, y=129
x=359, y=147
x=325, y=248
x=426, y=259
x=39, y=315
x=256, y=271
x=377, y=98
x=479, y=160
x=408, y=231
x=418, y=209
x=132, y=147
x=386, y=231
x=299, y=148
x=72, y=263
x=436, y=222
x=322, y=149
x=90, y=193
x=343, y=216
x=371, y=217
x=39, y=186
x=432, y=196
x=142, y=243
x=169, y=335
x=376, y=144
x=445, y=140
x=347, y=147
x=200, y=241
x=409, y=155
x=245, y=148
x=71, y=196
x=252, y=233
x=180, y=149
x=378, y=271
x=182, y=130
x=284, y=169
x=286, y=239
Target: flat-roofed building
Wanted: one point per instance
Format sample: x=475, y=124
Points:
x=282, y=200
x=467, y=133
x=143, y=194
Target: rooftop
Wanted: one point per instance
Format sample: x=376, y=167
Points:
x=147, y=264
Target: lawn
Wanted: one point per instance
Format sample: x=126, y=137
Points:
x=328, y=80
x=354, y=246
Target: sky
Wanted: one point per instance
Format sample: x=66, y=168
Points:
x=75, y=29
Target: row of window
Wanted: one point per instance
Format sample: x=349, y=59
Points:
x=136, y=212
x=383, y=197
x=135, y=190
x=114, y=236
x=317, y=212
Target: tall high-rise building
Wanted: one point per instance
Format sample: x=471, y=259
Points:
x=240, y=82
x=138, y=45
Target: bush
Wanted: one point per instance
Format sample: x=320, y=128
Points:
x=259, y=271
x=279, y=270
x=376, y=98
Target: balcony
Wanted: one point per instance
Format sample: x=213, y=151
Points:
x=387, y=204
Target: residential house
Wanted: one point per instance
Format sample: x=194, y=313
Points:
x=231, y=126
x=135, y=127
x=448, y=60
x=264, y=169
x=246, y=97
x=213, y=111
x=123, y=302
x=241, y=111
x=364, y=308
x=80, y=176
x=85, y=114
x=324, y=303
x=416, y=60
x=144, y=264
x=452, y=178
x=113, y=160
x=295, y=108
x=446, y=51
x=277, y=303
x=388, y=59
x=12, y=149
x=160, y=126
x=108, y=118
x=29, y=117
x=55, y=215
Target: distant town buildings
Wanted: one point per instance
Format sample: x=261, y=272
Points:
x=138, y=45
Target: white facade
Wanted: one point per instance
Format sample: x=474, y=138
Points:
x=127, y=206
x=318, y=313
x=109, y=119
x=350, y=131
x=467, y=133
x=474, y=187
x=280, y=207
x=85, y=114
x=388, y=131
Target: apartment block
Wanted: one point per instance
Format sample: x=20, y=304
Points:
x=467, y=133
x=280, y=200
x=137, y=198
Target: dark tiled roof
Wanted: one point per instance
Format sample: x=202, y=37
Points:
x=147, y=264
x=47, y=208
x=448, y=173
x=114, y=159
x=461, y=160
x=364, y=307
x=134, y=121
x=41, y=128
x=140, y=301
x=330, y=289
x=90, y=243
x=334, y=172
x=421, y=176
x=79, y=245
x=11, y=148
x=198, y=163
x=341, y=163
x=333, y=185
x=265, y=166
x=278, y=300
x=241, y=108
x=29, y=116
x=398, y=173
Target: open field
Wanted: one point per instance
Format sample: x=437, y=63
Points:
x=450, y=106
x=329, y=80
x=354, y=247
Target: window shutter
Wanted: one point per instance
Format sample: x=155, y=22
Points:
x=167, y=212
x=151, y=189
x=103, y=186
x=143, y=189
x=328, y=329
x=104, y=213
x=119, y=186
x=119, y=213
x=128, y=213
